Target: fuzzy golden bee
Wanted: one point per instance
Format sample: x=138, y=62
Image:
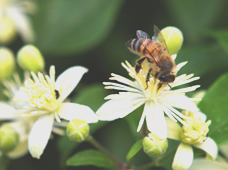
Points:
x=156, y=52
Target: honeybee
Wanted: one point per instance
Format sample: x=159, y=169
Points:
x=156, y=53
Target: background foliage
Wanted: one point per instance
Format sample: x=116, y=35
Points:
x=94, y=33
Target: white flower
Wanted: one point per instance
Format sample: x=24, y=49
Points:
x=43, y=98
x=157, y=99
x=192, y=134
x=8, y=112
x=16, y=11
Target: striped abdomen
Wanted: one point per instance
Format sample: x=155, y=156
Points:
x=146, y=46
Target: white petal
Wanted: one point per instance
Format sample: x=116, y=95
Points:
x=70, y=111
x=7, y=112
x=174, y=129
x=19, y=151
x=155, y=120
x=23, y=26
x=141, y=120
x=183, y=157
x=67, y=81
x=40, y=134
x=118, y=108
x=180, y=101
x=202, y=164
x=210, y=147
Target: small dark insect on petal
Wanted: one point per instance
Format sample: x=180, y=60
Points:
x=56, y=94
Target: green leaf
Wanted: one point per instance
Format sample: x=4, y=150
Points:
x=201, y=59
x=70, y=27
x=214, y=105
x=134, y=149
x=90, y=157
x=194, y=16
x=221, y=36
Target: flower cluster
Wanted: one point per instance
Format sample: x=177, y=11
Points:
x=38, y=105
x=37, y=108
x=13, y=19
x=165, y=105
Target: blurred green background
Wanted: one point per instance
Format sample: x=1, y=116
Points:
x=94, y=33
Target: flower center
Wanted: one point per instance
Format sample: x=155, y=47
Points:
x=195, y=131
x=41, y=92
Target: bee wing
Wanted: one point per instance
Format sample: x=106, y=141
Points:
x=159, y=38
x=142, y=35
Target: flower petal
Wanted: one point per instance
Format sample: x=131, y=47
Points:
x=7, y=112
x=183, y=157
x=40, y=134
x=179, y=101
x=67, y=81
x=210, y=147
x=155, y=120
x=70, y=111
x=174, y=129
x=207, y=164
x=120, y=106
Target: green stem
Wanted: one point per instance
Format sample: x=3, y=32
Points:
x=102, y=149
x=146, y=166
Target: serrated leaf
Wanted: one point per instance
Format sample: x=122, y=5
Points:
x=214, y=105
x=134, y=149
x=90, y=157
x=70, y=27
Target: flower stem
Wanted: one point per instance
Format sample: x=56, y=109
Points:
x=102, y=149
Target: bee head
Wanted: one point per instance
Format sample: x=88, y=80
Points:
x=167, y=78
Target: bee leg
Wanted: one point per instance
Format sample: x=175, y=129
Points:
x=160, y=85
x=138, y=64
x=169, y=86
x=148, y=77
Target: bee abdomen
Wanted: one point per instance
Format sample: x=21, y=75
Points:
x=134, y=45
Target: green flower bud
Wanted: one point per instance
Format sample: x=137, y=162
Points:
x=29, y=58
x=9, y=138
x=7, y=63
x=174, y=39
x=77, y=130
x=195, y=131
x=154, y=146
x=7, y=30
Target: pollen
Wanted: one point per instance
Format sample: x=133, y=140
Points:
x=41, y=91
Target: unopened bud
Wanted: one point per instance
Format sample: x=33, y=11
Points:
x=173, y=38
x=7, y=30
x=77, y=130
x=29, y=58
x=7, y=63
x=9, y=138
x=154, y=146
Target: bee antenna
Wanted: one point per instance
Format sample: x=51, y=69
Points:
x=169, y=86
